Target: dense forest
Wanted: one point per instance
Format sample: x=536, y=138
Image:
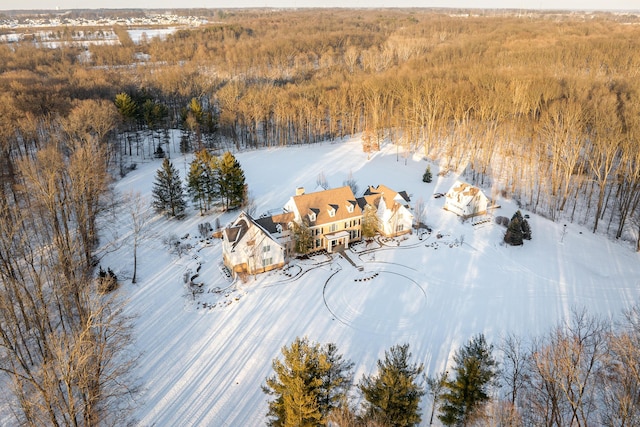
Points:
x=543, y=109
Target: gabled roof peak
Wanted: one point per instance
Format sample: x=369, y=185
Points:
x=326, y=204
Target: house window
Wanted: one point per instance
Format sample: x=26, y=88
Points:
x=317, y=243
x=267, y=261
x=332, y=213
x=334, y=227
x=312, y=216
x=400, y=227
x=266, y=248
x=349, y=208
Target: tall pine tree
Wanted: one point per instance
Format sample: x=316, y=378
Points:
x=126, y=106
x=393, y=395
x=308, y=384
x=517, y=230
x=168, y=195
x=231, y=181
x=202, y=180
x=475, y=371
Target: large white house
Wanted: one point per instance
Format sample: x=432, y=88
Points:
x=248, y=248
x=332, y=216
x=392, y=208
x=333, y=219
x=466, y=200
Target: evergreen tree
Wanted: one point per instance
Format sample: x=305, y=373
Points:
x=475, y=371
x=370, y=222
x=231, y=181
x=336, y=380
x=153, y=113
x=526, y=230
x=435, y=386
x=202, y=180
x=515, y=230
x=310, y=382
x=514, y=235
x=196, y=184
x=300, y=405
x=303, y=240
x=167, y=190
x=197, y=120
x=393, y=394
x=427, y=177
x=127, y=107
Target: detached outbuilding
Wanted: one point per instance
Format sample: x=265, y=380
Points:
x=466, y=200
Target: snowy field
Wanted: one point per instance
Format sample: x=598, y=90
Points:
x=205, y=359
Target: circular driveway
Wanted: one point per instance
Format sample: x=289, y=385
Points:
x=380, y=302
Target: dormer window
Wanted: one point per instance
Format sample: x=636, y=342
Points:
x=312, y=216
x=350, y=207
x=279, y=228
x=332, y=212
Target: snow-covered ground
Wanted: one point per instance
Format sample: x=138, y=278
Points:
x=204, y=360
x=137, y=34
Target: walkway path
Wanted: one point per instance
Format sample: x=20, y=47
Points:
x=345, y=256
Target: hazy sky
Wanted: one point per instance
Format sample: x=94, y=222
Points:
x=511, y=4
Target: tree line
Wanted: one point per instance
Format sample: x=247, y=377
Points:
x=541, y=108
x=64, y=341
x=582, y=372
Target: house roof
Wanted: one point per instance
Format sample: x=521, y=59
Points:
x=464, y=192
x=464, y=189
x=270, y=223
x=390, y=196
x=404, y=195
x=236, y=231
x=322, y=202
x=369, y=199
x=239, y=229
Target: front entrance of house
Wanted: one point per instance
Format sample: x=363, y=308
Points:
x=337, y=241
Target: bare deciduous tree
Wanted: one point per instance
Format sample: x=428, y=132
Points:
x=64, y=345
x=140, y=213
x=619, y=380
x=561, y=385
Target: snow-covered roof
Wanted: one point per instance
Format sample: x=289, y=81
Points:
x=321, y=203
x=464, y=192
